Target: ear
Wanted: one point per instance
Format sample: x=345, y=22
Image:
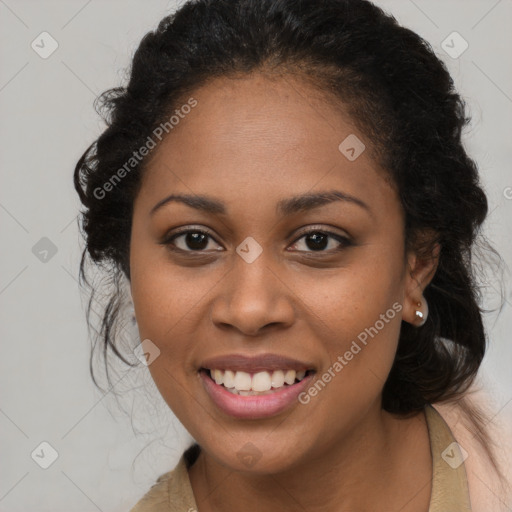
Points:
x=420, y=270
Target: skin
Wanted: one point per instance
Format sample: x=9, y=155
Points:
x=250, y=142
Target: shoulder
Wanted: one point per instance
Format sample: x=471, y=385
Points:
x=487, y=490
x=157, y=498
x=172, y=491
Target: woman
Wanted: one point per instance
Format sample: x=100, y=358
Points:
x=284, y=186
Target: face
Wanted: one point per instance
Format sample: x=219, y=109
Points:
x=256, y=275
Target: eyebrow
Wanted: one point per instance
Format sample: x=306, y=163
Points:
x=284, y=207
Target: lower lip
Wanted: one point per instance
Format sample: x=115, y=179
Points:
x=257, y=406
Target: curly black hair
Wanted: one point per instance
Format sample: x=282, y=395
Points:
x=393, y=87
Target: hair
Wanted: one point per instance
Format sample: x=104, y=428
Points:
x=395, y=90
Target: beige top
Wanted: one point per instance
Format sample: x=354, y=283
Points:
x=172, y=491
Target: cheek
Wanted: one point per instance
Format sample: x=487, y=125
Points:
x=164, y=294
x=164, y=303
x=165, y=300
x=352, y=298
x=360, y=319
x=359, y=308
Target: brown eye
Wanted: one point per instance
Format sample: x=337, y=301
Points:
x=319, y=241
x=188, y=241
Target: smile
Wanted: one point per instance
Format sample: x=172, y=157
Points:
x=282, y=389
x=265, y=382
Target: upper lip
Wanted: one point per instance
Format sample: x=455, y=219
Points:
x=259, y=363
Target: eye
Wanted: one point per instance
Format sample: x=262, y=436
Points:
x=317, y=240
x=190, y=240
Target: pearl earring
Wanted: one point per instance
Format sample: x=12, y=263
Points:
x=420, y=315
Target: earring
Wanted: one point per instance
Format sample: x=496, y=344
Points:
x=421, y=316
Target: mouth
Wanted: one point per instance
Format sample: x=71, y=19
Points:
x=257, y=395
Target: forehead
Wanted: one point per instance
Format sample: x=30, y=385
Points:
x=262, y=138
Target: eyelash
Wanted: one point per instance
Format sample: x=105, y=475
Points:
x=343, y=240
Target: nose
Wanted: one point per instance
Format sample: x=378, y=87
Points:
x=253, y=298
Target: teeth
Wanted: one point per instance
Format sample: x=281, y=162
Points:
x=229, y=379
x=277, y=379
x=261, y=381
x=217, y=376
x=243, y=383
x=289, y=377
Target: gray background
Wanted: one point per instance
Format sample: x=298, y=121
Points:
x=46, y=122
